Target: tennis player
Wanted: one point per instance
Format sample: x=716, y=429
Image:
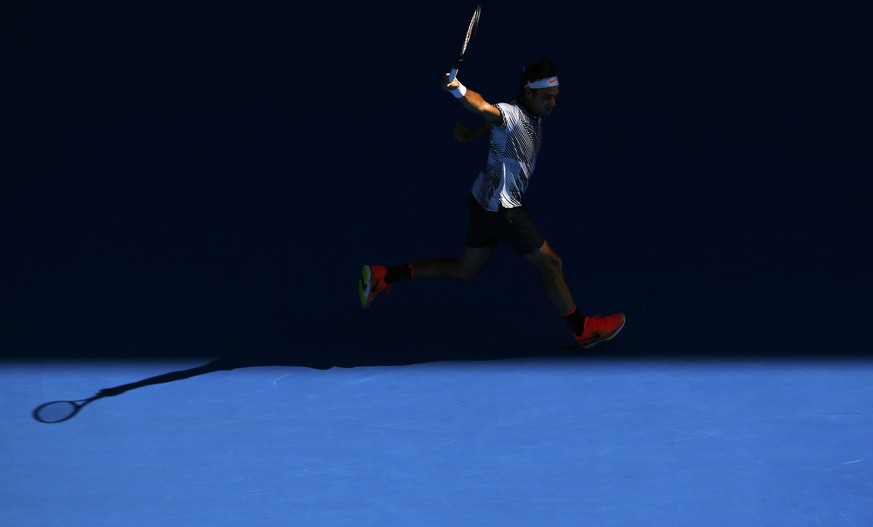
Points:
x=496, y=204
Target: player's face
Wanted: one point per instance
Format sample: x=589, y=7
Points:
x=543, y=101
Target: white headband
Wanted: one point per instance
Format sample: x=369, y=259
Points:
x=542, y=83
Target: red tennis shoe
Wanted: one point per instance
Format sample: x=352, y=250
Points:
x=372, y=283
x=600, y=329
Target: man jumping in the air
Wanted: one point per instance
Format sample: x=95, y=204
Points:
x=497, y=214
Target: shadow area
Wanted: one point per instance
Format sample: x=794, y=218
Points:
x=63, y=410
x=388, y=351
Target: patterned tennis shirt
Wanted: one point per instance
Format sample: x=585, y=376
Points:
x=515, y=143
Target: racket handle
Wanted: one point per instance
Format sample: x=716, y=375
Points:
x=452, y=75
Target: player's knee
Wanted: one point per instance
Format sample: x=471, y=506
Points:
x=557, y=263
x=551, y=263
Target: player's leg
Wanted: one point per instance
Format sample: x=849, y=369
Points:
x=517, y=230
x=478, y=246
x=587, y=331
x=378, y=278
x=551, y=269
x=465, y=268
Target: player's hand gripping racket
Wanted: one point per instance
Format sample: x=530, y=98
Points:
x=471, y=30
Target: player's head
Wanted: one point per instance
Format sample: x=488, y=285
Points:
x=539, y=86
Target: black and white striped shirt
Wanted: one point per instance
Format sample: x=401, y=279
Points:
x=515, y=143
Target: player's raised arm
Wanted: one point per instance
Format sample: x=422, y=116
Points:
x=471, y=100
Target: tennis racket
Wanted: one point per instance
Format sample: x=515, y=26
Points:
x=60, y=411
x=471, y=30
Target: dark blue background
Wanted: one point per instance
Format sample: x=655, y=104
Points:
x=191, y=177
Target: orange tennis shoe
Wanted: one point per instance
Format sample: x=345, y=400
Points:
x=600, y=329
x=372, y=283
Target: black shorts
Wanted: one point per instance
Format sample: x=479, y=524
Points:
x=512, y=227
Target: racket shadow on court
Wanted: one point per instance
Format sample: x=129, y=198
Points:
x=60, y=411
x=64, y=410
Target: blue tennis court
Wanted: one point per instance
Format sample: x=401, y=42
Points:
x=538, y=441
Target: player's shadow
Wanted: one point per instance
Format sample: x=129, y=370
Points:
x=345, y=357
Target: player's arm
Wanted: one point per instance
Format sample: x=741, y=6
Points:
x=472, y=100
x=465, y=135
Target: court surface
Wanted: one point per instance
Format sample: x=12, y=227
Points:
x=552, y=441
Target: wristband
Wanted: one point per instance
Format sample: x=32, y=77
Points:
x=460, y=92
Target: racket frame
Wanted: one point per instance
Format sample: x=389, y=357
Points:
x=471, y=31
x=76, y=405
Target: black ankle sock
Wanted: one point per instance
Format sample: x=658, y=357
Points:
x=576, y=320
x=396, y=273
